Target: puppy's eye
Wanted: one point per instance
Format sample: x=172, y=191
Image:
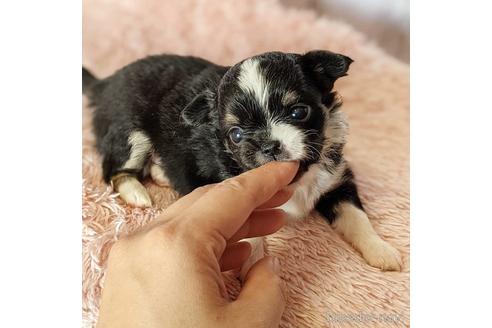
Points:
x=299, y=112
x=236, y=135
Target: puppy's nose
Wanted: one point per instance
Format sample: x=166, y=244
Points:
x=271, y=148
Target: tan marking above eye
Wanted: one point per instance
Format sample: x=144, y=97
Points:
x=231, y=119
x=290, y=98
x=336, y=102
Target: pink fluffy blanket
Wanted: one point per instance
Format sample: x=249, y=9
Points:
x=328, y=283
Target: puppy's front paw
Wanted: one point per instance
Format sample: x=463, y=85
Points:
x=134, y=193
x=294, y=210
x=381, y=254
x=158, y=175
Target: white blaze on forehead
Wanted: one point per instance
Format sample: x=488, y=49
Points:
x=253, y=81
x=292, y=139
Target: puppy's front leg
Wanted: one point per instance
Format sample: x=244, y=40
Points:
x=344, y=211
x=353, y=224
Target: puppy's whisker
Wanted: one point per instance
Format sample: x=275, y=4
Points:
x=313, y=153
x=308, y=134
x=317, y=143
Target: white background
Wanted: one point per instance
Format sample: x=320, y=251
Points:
x=40, y=163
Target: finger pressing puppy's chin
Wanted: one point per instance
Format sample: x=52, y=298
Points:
x=301, y=169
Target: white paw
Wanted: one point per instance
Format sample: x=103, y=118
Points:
x=134, y=193
x=294, y=211
x=257, y=253
x=158, y=175
x=381, y=254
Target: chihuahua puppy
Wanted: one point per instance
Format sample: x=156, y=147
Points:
x=187, y=122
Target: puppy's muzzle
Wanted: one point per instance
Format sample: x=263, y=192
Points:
x=271, y=148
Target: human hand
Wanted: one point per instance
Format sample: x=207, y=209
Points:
x=168, y=274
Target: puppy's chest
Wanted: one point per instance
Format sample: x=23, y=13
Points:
x=309, y=188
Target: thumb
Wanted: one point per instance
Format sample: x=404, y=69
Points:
x=262, y=301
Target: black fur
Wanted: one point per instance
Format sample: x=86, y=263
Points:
x=345, y=192
x=149, y=95
x=181, y=104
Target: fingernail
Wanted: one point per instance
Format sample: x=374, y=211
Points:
x=275, y=265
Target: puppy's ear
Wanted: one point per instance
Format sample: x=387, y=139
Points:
x=198, y=110
x=324, y=68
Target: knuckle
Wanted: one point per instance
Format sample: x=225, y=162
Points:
x=157, y=240
x=208, y=244
x=161, y=234
x=238, y=186
x=202, y=189
x=235, y=184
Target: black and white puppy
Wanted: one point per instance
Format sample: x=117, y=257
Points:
x=187, y=122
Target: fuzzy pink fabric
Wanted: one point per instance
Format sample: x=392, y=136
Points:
x=328, y=283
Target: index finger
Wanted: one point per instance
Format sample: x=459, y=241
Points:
x=227, y=206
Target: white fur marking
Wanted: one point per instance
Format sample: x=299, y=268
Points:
x=353, y=224
x=140, y=148
x=317, y=180
x=310, y=187
x=133, y=192
x=253, y=81
x=291, y=138
x=157, y=172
